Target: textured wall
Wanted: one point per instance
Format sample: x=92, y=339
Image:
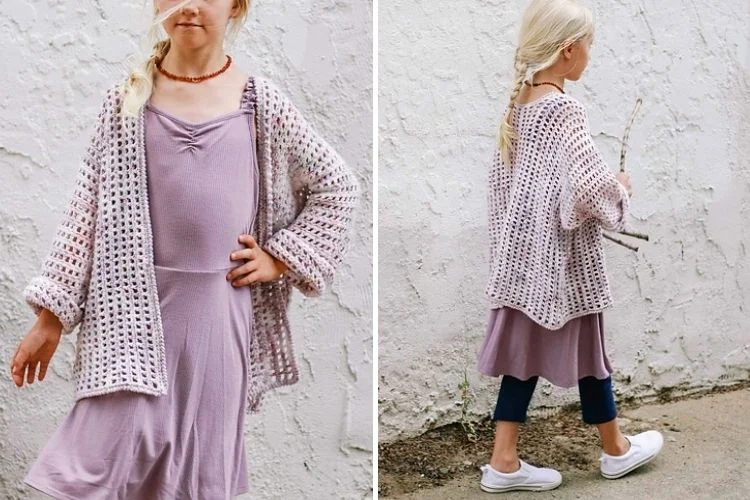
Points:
x=313, y=440
x=682, y=303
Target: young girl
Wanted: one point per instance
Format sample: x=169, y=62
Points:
x=550, y=195
x=204, y=196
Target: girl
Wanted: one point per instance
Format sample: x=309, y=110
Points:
x=550, y=194
x=203, y=197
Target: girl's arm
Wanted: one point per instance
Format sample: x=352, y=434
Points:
x=313, y=245
x=590, y=189
x=62, y=285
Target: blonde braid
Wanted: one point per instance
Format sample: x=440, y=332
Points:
x=507, y=135
x=140, y=83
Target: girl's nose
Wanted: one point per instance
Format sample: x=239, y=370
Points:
x=175, y=9
x=190, y=4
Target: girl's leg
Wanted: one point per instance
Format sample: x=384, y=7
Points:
x=622, y=454
x=512, y=404
x=613, y=441
x=598, y=408
x=505, y=471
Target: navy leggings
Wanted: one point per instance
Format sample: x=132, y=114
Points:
x=597, y=400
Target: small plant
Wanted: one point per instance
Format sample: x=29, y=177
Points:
x=467, y=399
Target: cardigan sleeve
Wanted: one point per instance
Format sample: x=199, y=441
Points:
x=313, y=245
x=496, y=204
x=62, y=283
x=590, y=189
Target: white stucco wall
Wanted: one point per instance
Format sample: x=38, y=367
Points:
x=682, y=303
x=313, y=440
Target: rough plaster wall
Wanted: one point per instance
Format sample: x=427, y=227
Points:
x=313, y=440
x=682, y=303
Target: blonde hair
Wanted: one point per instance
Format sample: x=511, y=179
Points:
x=140, y=83
x=547, y=28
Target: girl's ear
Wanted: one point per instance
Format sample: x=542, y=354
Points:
x=567, y=51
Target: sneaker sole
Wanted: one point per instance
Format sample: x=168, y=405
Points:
x=631, y=468
x=519, y=487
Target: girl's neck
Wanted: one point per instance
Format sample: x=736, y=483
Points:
x=194, y=62
x=549, y=76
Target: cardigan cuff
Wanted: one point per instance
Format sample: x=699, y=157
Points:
x=623, y=207
x=302, y=269
x=42, y=292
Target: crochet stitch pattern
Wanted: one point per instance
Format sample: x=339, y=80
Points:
x=546, y=214
x=99, y=273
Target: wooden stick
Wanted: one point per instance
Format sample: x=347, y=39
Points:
x=620, y=242
x=635, y=235
x=627, y=134
x=624, y=149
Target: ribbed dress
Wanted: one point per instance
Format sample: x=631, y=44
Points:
x=515, y=345
x=188, y=444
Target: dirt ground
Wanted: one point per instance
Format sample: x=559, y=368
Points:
x=446, y=453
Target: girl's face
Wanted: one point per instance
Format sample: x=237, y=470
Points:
x=576, y=57
x=199, y=22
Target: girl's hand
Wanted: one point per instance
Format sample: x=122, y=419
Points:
x=624, y=179
x=260, y=266
x=36, y=348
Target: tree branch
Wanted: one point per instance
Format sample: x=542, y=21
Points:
x=627, y=134
x=640, y=236
x=620, y=242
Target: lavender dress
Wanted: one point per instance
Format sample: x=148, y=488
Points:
x=187, y=444
x=517, y=346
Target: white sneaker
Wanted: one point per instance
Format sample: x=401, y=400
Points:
x=643, y=448
x=528, y=478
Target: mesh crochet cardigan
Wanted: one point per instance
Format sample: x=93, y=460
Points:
x=100, y=270
x=546, y=213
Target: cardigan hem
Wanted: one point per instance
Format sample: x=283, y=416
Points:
x=153, y=296
x=141, y=389
x=497, y=303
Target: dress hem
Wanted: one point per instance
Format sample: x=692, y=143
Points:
x=48, y=490
x=57, y=495
x=553, y=382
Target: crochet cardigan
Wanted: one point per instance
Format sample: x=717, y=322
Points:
x=546, y=213
x=100, y=272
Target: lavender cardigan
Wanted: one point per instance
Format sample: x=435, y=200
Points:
x=102, y=251
x=546, y=213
